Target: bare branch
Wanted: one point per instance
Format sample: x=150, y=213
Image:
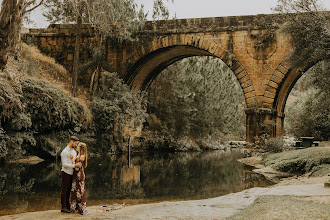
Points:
x=40, y=3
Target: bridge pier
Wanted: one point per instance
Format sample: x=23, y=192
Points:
x=263, y=121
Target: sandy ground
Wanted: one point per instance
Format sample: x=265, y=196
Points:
x=308, y=191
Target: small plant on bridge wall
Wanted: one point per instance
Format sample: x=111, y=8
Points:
x=264, y=39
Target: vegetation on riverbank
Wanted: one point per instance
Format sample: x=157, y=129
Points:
x=35, y=104
x=196, y=104
x=284, y=207
x=314, y=159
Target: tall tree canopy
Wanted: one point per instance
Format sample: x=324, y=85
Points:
x=197, y=97
x=309, y=27
x=116, y=18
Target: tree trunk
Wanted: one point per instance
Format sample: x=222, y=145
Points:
x=11, y=16
x=76, y=54
x=96, y=81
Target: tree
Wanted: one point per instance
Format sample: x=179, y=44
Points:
x=116, y=19
x=309, y=28
x=309, y=115
x=78, y=6
x=11, y=17
x=114, y=108
x=197, y=97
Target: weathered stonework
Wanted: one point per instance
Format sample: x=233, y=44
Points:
x=250, y=45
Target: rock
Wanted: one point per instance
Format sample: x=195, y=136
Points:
x=238, y=143
x=45, y=148
x=29, y=160
x=327, y=185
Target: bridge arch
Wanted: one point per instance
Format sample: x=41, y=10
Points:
x=291, y=74
x=147, y=61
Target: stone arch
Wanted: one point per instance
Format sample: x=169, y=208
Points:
x=148, y=60
x=280, y=86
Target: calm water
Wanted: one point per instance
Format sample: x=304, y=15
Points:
x=145, y=178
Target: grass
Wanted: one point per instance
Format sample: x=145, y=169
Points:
x=313, y=159
x=284, y=207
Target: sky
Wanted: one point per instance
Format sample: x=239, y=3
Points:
x=197, y=9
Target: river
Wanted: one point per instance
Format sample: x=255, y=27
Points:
x=145, y=178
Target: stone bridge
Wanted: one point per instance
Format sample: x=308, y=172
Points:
x=251, y=46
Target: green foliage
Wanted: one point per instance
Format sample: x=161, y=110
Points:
x=38, y=107
x=309, y=29
x=274, y=145
x=56, y=11
x=3, y=143
x=14, y=145
x=50, y=108
x=196, y=97
x=10, y=99
x=21, y=121
x=160, y=11
x=98, y=59
x=309, y=115
x=117, y=18
x=298, y=161
x=114, y=108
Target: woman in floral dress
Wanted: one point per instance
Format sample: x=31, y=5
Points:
x=78, y=191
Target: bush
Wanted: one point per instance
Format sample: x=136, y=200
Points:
x=298, y=161
x=114, y=108
x=274, y=145
x=50, y=108
x=309, y=115
x=196, y=97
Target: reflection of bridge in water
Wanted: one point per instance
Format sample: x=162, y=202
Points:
x=250, y=45
x=130, y=175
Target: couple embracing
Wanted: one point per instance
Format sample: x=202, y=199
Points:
x=73, y=195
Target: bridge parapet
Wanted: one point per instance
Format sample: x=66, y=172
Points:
x=216, y=24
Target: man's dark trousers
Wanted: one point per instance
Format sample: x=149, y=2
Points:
x=66, y=189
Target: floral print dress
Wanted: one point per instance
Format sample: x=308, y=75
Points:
x=78, y=192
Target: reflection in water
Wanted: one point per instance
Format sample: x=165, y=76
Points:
x=145, y=178
x=130, y=175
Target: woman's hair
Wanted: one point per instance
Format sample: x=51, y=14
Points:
x=83, y=151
